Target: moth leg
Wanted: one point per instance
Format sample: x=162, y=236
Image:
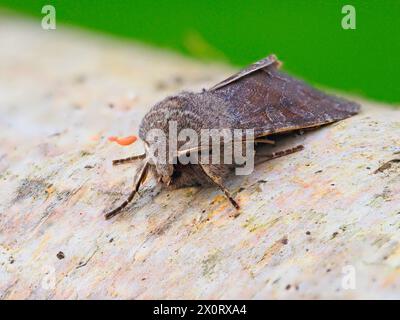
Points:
x=128, y=160
x=139, y=178
x=278, y=154
x=261, y=140
x=217, y=181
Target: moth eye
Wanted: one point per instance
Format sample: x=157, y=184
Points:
x=149, y=155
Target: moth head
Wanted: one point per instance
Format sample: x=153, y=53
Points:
x=159, y=129
x=162, y=168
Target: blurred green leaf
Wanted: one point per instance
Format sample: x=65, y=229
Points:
x=307, y=35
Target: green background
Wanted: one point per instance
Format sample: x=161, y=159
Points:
x=306, y=35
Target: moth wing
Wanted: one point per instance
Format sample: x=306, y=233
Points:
x=269, y=101
x=263, y=63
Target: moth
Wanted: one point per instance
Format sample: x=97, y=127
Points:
x=259, y=97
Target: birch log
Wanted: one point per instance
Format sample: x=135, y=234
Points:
x=321, y=223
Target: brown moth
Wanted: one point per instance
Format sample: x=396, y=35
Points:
x=259, y=97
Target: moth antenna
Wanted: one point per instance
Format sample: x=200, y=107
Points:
x=128, y=160
x=139, y=178
x=216, y=181
x=182, y=152
x=185, y=151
